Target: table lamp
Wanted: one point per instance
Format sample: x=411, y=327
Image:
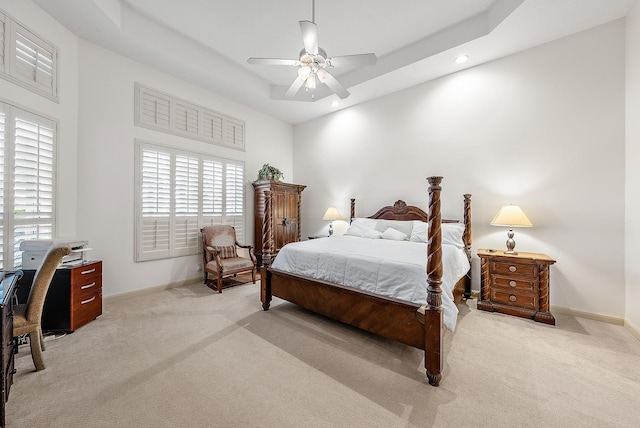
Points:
x=331, y=215
x=511, y=216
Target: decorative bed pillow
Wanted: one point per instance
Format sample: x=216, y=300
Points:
x=452, y=234
x=372, y=234
x=402, y=226
x=227, y=252
x=360, y=226
x=419, y=231
x=394, y=234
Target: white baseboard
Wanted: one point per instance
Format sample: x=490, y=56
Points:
x=633, y=329
x=149, y=290
x=589, y=315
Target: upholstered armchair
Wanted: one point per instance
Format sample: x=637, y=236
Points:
x=220, y=256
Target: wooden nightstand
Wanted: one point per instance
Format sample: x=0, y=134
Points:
x=515, y=284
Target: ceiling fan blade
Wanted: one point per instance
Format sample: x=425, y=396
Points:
x=273, y=61
x=309, y=36
x=294, y=88
x=327, y=78
x=353, y=60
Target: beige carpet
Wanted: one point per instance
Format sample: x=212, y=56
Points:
x=190, y=357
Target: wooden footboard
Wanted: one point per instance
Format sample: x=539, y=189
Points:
x=413, y=325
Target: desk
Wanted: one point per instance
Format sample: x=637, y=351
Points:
x=7, y=291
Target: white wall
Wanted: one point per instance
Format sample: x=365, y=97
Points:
x=632, y=181
x=106, y=162
x=543, y=129
x=65, y=112
x=96, y=148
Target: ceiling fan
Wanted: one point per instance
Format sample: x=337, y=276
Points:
x=313, y=63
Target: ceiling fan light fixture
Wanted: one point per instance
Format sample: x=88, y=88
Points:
x=311, y=81
x=304, y=72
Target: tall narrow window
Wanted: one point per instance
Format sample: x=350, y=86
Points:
x=178, y=193
x=27, y=146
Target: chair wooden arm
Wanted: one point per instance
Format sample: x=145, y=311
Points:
x=244, y=246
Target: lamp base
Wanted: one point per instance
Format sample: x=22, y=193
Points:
x=511, y=244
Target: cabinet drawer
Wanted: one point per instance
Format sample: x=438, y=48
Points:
x=511, y=269
x=86, y=310
x=527, y=301
x=81, y=275
x=513, y=283
x=85, y=289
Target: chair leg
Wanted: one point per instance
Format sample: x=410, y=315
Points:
x=205, y=277
x=219, y=283
x=36, y=351
x=253, y=275
x=42, y=342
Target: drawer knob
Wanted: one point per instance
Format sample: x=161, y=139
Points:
x=513, y=283
x=512, y=268
x=512, y=298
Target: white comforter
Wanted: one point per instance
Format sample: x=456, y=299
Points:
x=386, y=267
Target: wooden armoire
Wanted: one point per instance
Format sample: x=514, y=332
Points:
x=286, y=199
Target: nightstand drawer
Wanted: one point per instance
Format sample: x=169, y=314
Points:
x=519, y=285
x=511, y=269
x=527, y=301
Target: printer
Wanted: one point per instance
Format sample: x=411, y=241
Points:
x=34, y=250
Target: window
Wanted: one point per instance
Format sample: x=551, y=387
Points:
x=178, y=193
x=27, y=59
x=27, y=181
x=166, y=113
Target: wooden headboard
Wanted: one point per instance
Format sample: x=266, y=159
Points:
x=401, y=211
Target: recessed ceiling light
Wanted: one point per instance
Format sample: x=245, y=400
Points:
x=335, y=104
x=461, y=59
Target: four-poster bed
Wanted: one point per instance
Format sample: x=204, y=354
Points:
x=417, y=325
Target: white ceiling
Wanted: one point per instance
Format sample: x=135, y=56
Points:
x=207, y=42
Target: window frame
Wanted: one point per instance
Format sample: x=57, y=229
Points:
x=9, y=62
x=10, y=254
x=168, y=241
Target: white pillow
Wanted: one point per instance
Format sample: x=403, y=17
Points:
x=393, y=234
x=419, y=231
x=402, y=226
x=452, y=234
x=360, y=226
x=372, y=234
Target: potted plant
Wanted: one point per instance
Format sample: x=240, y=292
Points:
x=268, y=172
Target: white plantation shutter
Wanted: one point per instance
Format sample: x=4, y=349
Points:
x=27, y=59
x=155, y=216
x=233, y=132
x=211, y=126
x=185, y=118
x=166, y=113
x=3, y=144
x=234, y=198
x=179, y=193
x=186, y=196
x=2, y=40
x=27, y=181
x=154, y=108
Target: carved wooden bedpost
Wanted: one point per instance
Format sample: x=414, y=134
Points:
x=267, y=251
x=433, y=311
x=467, y=242
x=353, y=210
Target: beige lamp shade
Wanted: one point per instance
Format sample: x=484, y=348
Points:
x=332, y=214
x=511, y=216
